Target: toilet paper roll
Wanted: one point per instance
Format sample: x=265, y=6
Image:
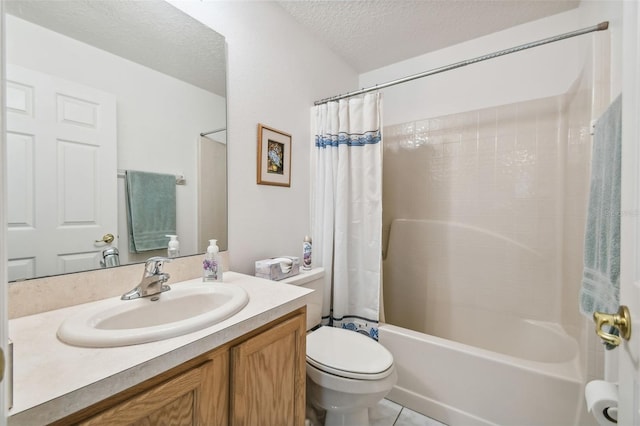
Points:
x=602, y=401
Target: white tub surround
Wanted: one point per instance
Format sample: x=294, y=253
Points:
x=456, y=383
x=463, y=351
x=53, y=380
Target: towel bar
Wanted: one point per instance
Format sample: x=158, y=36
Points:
x=180, y=180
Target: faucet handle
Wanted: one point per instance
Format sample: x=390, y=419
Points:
x=153, y=265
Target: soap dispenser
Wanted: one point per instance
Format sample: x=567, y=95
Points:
x=174, y=246
x=212, y=267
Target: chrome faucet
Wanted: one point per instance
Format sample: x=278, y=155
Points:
x=153, y=280
x=110, y=257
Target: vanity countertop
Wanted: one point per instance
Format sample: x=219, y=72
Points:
x=52, y=379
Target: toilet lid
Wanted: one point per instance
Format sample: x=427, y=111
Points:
x=348, y=354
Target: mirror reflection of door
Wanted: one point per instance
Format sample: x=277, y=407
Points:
x=61, y=167
x=212, y=191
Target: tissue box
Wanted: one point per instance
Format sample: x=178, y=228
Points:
x=278, y=268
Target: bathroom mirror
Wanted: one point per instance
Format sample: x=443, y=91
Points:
x=112, y=86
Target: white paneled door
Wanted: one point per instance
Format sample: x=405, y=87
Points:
x=61, y=173
x=629, y=351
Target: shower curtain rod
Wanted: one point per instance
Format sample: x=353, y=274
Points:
x=213, y=131
x=599, y=27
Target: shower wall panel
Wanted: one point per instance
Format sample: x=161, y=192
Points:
x=496, y=171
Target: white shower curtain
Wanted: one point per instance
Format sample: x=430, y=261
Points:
x=348, y=211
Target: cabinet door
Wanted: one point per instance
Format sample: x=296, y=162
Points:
x=268, y=377
x=172, y=403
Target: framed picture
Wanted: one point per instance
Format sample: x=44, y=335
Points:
x=274, y=157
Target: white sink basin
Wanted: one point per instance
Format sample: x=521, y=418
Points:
x=183, y=309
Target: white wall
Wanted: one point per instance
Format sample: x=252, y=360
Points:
x=540, y=72
x=275, y=72
x=158, y=130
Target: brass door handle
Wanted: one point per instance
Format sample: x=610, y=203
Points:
x=620, y=320
x=106, y=238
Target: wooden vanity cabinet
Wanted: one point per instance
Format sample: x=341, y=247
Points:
x=268, y=374
x=257, y=379
x=180, y=401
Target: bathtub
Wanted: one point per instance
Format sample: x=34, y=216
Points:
x=465, y=360
x=459, y=384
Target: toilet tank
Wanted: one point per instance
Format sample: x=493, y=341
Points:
x=313, y=280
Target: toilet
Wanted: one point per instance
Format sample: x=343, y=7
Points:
x=344, y=383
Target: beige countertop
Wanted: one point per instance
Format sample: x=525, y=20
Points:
x=52, y=379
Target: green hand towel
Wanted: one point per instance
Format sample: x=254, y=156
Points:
x=151, y=210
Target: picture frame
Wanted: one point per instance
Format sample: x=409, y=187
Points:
x=274, y=157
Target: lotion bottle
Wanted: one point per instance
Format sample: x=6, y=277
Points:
x=211, y=265
x=174, y=246
x=306, y=253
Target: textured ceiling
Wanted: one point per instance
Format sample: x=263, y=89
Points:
x=152, y=33
x=370, y=34
x=367, y=34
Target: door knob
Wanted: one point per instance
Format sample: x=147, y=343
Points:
x=106, y=238
x=620, y=321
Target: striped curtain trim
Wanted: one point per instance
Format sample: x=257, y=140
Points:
x=353, y=139
x=355, y=323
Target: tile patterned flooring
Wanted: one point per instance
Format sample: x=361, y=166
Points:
x=388, y=413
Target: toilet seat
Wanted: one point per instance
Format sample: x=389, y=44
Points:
x=348, y=354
